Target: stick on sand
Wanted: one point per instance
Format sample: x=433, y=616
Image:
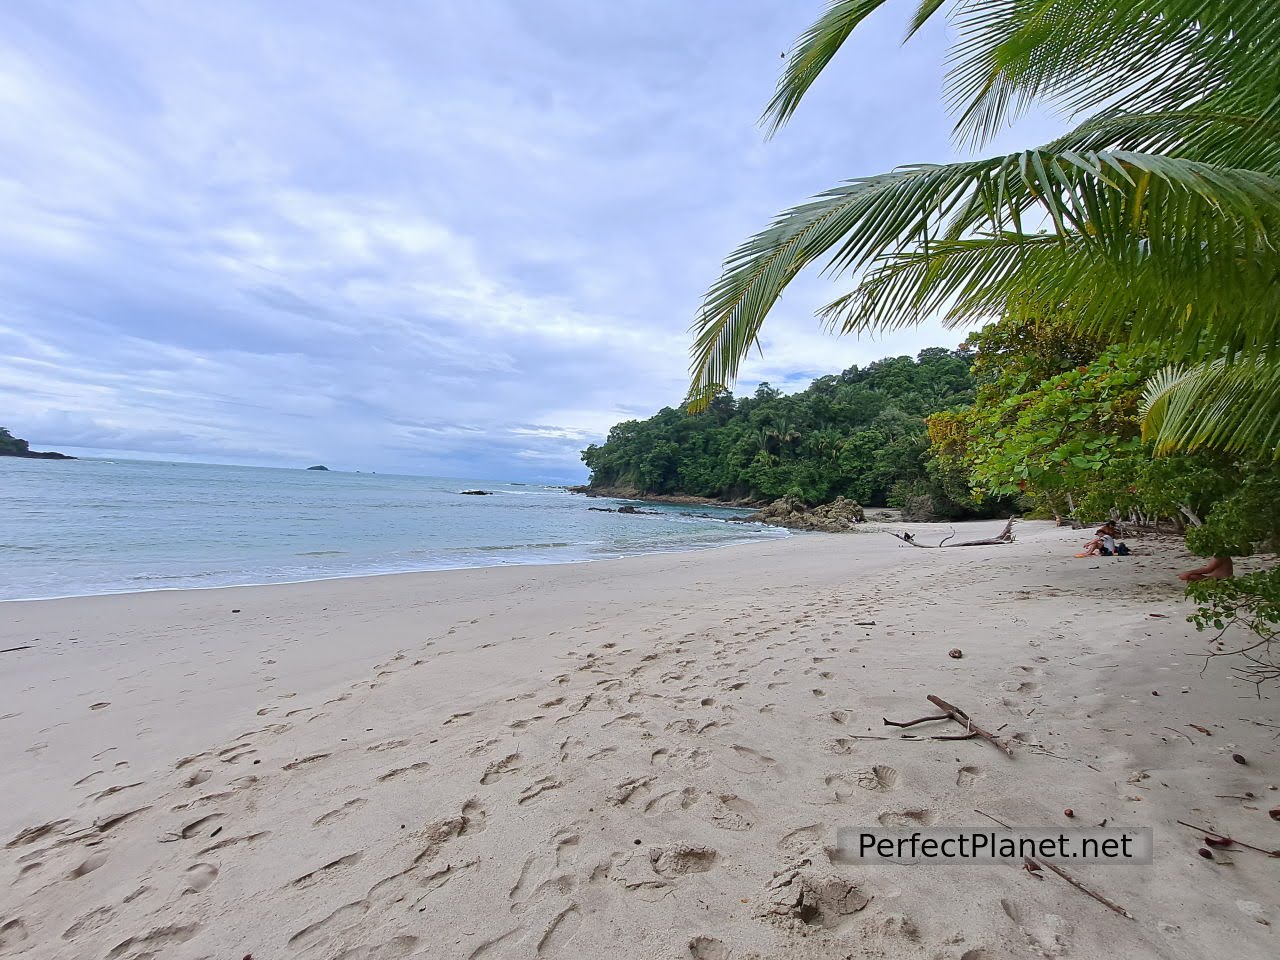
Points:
x=1048, y=865
x=952, y=712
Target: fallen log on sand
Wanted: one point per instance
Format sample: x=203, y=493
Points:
x=1005, y=536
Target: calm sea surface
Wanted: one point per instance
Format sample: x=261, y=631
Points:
x=77, y=527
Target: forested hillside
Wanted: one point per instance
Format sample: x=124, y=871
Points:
x=859, y=434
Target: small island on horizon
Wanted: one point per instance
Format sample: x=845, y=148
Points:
x=11, y=446
x=318, y=466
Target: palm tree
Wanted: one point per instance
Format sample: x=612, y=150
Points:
x=783, y=434
x=825, y=442
x=763, y=437
x=1157, y=218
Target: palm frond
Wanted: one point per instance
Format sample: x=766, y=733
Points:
x=816, y=48
x=1140, y=214
x=1084, y=54
x=1199, y=298
x=1229, y=406
x=1236, y=139
x=1081, y=55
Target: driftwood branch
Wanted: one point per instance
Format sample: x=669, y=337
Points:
x=1049, y=865
x=1230, y=840
x=912, y=723
x=962, y=718
x=1005, y=536
x=952, y=712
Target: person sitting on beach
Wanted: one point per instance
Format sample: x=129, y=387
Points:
x=1219, y=568
x=1104, y=541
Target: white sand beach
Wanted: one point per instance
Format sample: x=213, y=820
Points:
x=640, y=758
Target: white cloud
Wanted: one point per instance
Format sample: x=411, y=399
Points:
x=451, y=238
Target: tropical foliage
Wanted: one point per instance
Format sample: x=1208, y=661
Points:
x=1056, y=420
x=1252, y=604
x=859, y=434
x=1156, y=218
x=10, y=444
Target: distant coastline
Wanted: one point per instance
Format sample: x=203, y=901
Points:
x=11, y=446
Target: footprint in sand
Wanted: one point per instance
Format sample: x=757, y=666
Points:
x=13, y=933
x=90, y=864
x=543, y=873
x=112, y=791
x=233, y=841
x=88, y=923
x=802, y=839
x=559, y=932
x=492, y=947
x=235, y=754
x=199, y=826
x=401, y=771
x=840, y=746
x=538, y=788
x=679, y=859
x=328, y=870
x=1020, y=686
x=708, y=948
x=672, y=800
x=966, y=776
x=635, y=789
x=500, y=768
x=1047, y=935
x=907, y=818
x=756, y=761
x=339, y=812
x=877, y=778
x=314, y=758
x=153, y=942
x=386, y=745
x=199, y=877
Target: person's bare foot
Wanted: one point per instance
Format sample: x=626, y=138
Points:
x=1219, y=568
x=1222, y=569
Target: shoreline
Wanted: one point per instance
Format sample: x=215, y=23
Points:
x=744, y=541
x=647, y=758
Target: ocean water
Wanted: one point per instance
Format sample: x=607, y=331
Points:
x=79, y=527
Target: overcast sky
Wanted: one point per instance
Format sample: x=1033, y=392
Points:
x=452, y=237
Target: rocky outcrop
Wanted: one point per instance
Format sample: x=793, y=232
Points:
x=625, y=508
x=476, y=493
x=11, y=446
x=318, y=466
x=838, y=516
x=679, y=499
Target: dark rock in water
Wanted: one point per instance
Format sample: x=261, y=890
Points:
x=11, y=446
x=627, y=508
x=838, y=516
x=476, y=493
x=318, y=466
